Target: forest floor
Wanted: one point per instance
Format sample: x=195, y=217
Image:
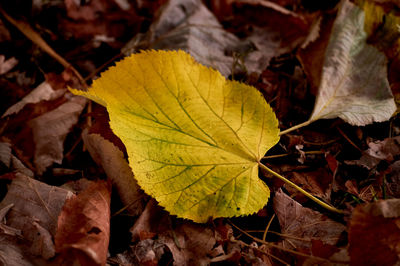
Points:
x=69, y=197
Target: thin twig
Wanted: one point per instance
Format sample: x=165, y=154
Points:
x=31, y=34
x=267, y=228
x=305, y=193
x=276, y=246
x=349, y=140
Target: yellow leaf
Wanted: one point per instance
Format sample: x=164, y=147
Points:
x=193, y=138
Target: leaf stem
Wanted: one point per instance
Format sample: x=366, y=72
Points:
x=305, y=193
x=296, y=127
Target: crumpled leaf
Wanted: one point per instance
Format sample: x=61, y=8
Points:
x=193, y=139
x=378, y=151
x=84, y=227
x=35, y=211
x=190, y=26
x=188, y=243
x=374, y=233
x=304, y=223
x=107, y=155
x=354, y=83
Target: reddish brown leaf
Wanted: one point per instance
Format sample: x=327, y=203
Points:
x=374, y=233
x=84, y=226
x=317, y=182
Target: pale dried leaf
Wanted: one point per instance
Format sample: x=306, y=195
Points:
x=313, y=34
x=304, y=223
x=43, y=92
x=108, y=156
x=51, y=129
x=354, y=83
x=190, y=26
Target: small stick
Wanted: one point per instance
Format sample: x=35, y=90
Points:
x=305, y=193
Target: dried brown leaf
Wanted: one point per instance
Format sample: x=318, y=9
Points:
x=51, y=129
x=190, y=26
x=35, y=211
x=317, y=182
x=108, y=156
x=84, y=226
x=152, y=221
x=302, y=225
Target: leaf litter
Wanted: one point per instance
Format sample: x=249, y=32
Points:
x=337, y=173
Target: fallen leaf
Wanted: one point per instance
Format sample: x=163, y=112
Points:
x=84, y=227
x=35, y=211
x=107, y=155
x=317, y=182
x=193, y=139
x=302, y=225
x=43, y=92
x=152, y=221
x=190, y=26
x=190, y=244
x=354, y=83
x=50, y=130
x=374, y=233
